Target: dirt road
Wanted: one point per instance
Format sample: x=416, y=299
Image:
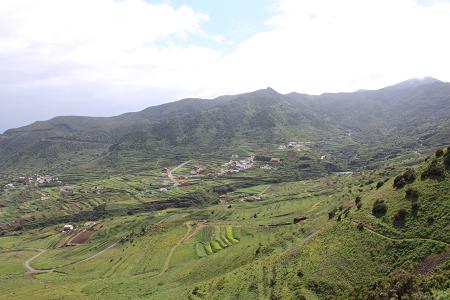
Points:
x=172, y=250
x=170, y=173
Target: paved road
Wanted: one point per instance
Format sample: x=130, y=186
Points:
x=32, y=270
x=170, y=173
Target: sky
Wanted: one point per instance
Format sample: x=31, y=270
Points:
x=107, y=57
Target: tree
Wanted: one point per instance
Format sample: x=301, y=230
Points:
x=380, y=184
x=407, y=177
x=331, y=213
x=411, y=193
x=439, y=152
x=400, y=216
x=379, y=208
x=360, y=226
x=435, y=169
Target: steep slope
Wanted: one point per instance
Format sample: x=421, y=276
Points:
x=412, y=115
x=361, y=254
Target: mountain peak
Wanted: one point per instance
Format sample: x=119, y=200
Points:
x=415, y=82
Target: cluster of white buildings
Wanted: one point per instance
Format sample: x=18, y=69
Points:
x=36, y=180
x=240, y=165
x=291, y=145
x=236, y=166
x=267, y=167
x=39, y=179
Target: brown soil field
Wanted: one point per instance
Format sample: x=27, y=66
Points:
x=81, y=237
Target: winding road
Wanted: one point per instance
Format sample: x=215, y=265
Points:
x=29, y=268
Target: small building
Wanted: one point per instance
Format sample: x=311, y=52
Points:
x=67, y=227
x=90, y=224
x=9, y=186
x=299, y=219
x=66, y=190
x=275, y=160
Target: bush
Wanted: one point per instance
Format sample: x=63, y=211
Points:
x=359, y=205
x=357, y=200
x=439, y=152
x=379, y=208
x=400, y=216
x=435, y=169
x=401, y=284
x=331, y=214
x=408, y=177
x=380, y=184
x=360, y=226
x=411, y=194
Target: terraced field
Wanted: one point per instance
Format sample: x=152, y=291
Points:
x=243, y=246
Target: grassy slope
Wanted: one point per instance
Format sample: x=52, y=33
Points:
x=317, y=259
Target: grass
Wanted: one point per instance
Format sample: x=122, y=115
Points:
x=235, y=254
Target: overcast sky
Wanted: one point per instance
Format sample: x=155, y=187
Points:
x=106, y=57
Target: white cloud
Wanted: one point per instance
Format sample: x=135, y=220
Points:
x=327, y=45
x=107, y=49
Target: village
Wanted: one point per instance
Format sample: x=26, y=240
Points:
x=33, y=180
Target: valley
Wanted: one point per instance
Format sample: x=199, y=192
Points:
x=253, y=196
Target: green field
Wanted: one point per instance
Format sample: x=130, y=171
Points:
x=243, y=245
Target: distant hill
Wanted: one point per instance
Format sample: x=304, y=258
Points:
x=356, y=129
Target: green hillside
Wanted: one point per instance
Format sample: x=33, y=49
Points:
x=252, y=196
x=354, y=129
x=247, y=245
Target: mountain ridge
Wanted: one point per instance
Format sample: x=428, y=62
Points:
x=413, y=114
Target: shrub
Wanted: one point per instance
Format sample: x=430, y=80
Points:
x=408, y=177
x=411, y=194
x=435, y=169
x=331, y=213
x=401, y=214
x=360, y=226
x=359, y=205
x=379, y=208
x=439, y=152
x=380, y=184
x=357, y=200
x=401, y=284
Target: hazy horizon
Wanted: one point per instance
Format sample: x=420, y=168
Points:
x=132, y=54
x=24, y=123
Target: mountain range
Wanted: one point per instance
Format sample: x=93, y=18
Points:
x=355, y=129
